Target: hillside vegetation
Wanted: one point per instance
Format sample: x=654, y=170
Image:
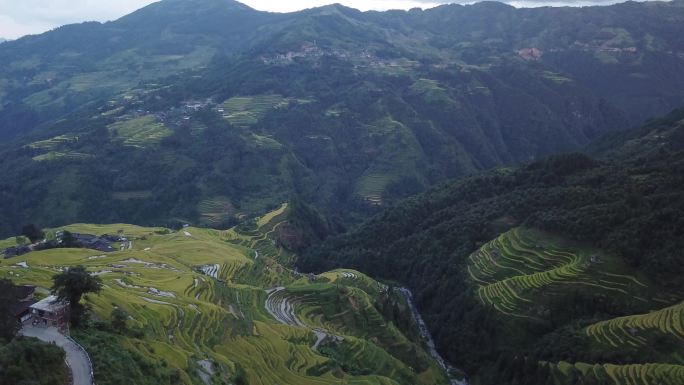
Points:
x=563, y=271
x=209, y=111
x=30, y=361
x=210, y=306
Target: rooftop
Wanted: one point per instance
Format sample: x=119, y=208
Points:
x=49, y=304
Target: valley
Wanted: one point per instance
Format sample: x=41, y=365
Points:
x=562, y=271
x=467, y=194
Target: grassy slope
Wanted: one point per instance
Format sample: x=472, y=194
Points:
x=195, y=317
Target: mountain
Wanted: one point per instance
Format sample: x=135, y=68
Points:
x=207, y=111
x=2, y=40
x=565, y=270
x=53, y=74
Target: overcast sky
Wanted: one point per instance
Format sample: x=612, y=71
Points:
x=23, y=17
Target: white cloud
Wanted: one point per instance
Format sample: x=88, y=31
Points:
x=18, y=18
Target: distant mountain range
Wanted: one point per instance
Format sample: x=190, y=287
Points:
x=204, y=111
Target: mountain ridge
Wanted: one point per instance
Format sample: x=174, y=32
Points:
x=349, y=110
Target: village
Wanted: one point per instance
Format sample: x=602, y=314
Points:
x=63, y=239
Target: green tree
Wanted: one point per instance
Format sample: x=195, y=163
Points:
x=68, y=240
x=71, y=285
x=9, y=325
x=119, y=317
x=33, y=233
x=27, y=361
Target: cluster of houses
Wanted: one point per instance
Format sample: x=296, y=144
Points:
x=16, y=251
x=88, y=241
x=530, y=54
x=312, y=50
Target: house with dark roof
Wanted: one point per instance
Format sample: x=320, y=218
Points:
x=94, y=242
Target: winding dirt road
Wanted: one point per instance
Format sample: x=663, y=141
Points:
x=76, y=357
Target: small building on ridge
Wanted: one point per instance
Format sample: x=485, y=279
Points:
x=50, y=312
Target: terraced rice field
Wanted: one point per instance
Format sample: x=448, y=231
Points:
x=431, y=90
x=371, y=187
x=248, y=110
x=633, y=330
x=637, y=374
x=140, y=132
x=53, y=143
x=198, y=295
x=215, y=210
x=333, y=316
x=61, y=155
x=515, y=273
x=263, y=241
x=266, y=142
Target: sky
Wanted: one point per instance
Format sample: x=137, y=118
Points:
x=24, y=17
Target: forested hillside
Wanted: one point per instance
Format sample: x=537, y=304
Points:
x=560, y=261
x=208, y=111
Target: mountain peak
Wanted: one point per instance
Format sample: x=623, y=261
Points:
x=225, y=4
x=187, y=8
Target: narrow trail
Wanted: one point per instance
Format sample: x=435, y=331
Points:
x=283, y=311
x=427, y=337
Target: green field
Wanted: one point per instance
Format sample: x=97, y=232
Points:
x=53, y=143
x=140, y=132
x=636, y=374
x=266, y=142
x=60, y=155
x=199, y=294
x=248, y=110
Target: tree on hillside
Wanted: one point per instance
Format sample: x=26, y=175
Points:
x=71, y=285
x=9, y=325
x=119, y=318
x=68, y=240
x=29, y=361
x=33, y=233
